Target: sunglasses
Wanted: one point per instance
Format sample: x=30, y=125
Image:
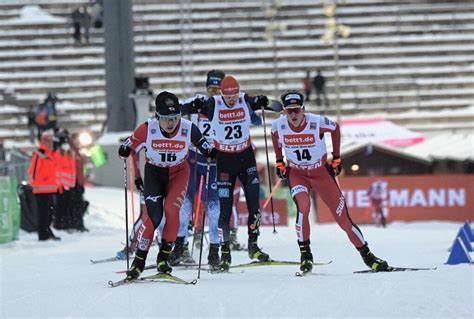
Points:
x=213, y=90
x=172, y=118
x=232, y=97
x=295, y=110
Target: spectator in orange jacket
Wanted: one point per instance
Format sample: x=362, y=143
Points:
x=66, y=167
x=42, y=174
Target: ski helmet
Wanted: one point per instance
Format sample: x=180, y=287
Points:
x=230, y=85
x=167, y=104
x=292, y=97
x=214, y=77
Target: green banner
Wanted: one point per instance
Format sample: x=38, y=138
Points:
x=9, y=210
x=98, y=156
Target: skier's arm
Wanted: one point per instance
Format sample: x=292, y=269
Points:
x=281, y=170
x=134, y=143
x=198, y=105
x=255, y=119
x=328, y=126
x=258, y=102
x=201, y=143
x=277, y=147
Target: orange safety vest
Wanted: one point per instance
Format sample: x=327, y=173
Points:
x=42, y=171
x=66, y=170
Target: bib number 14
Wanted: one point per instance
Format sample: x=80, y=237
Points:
x=303, y=155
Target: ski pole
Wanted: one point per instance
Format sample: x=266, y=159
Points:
x=198, y=211
x=268, y=168
x=204, y=215
x=132, y=188
x=271, y=194
x=126, y=208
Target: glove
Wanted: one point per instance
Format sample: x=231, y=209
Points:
x=139, y=184
x=124, y=151
x=335, y=167
x=261, y=100
x=198, y=103
x=211, y=153
x=281, y=169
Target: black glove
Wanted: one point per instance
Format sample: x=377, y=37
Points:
x=281, y=170
x=334, y=167
x=261, y=100
x=198, y=103
x=124, y=151
x=139, y=183
x=211, y=153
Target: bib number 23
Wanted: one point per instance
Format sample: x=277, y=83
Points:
x=233, y=132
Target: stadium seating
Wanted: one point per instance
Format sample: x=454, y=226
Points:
x=399, y=60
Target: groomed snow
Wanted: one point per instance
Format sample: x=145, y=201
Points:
x=56, y=279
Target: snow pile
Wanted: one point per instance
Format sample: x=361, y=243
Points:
x=56, y=279
x=33, y=14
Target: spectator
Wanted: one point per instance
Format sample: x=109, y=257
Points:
x=97, y=14
x=307, y=85
x=42, y=176
x=3, y=163
x=76, y=17
x=319, y=83
x=86, y=22
x=79, y=205
x=31, y=123
x=45, y=114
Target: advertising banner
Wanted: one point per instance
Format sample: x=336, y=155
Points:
x=409, y=198
x=9, y=210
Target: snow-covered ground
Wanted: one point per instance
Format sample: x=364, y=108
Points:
x=56, y=279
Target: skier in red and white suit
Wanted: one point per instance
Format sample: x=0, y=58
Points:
x=378, y=196
x=301, y=136
x=166, y=139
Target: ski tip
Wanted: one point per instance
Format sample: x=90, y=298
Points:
x=193, y=282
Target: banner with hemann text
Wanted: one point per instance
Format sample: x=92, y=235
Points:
x=409, y=198
x=280, y=208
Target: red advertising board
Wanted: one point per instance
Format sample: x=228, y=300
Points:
x=410, y=197
x=280, y=210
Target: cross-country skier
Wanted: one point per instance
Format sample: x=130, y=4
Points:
x=198, y=167
x=378, y=196
x=229, y=115
x=166, y=139
x=300, y=136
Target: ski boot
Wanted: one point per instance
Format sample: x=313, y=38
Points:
x=226, y=258
x=234, y=243
x=162, y=260
x=197, y=240
x=176, y=255
x=213, y=257
x=138, y=265
x=187, y=258
x=254, y=251
x=372, y=261
x=125, y=252
x=306, y=256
